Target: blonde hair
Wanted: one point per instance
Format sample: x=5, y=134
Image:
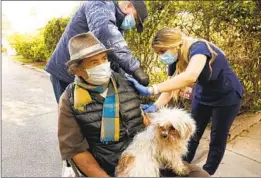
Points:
x=124, y=3
x=172, y=37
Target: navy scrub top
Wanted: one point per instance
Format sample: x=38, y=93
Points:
x=222, y=87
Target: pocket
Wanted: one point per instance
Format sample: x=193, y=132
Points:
x=226, y=85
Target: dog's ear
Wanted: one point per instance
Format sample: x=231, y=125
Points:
x=146, y=119
x=152, y=115
x=190, y=130
x=157, y=125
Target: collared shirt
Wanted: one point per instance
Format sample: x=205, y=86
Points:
x=71, y=140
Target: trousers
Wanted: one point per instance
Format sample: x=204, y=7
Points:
x=222, y=118
x=58, y=87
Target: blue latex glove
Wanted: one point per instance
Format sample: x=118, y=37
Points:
x=149, y=108
x=141, y=89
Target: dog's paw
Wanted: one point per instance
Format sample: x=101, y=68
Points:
x=184, y=171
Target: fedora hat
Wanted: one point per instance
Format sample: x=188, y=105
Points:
x=83, y=46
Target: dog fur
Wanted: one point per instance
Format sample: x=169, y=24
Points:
x=161, y=145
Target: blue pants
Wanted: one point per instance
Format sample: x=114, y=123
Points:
x=58, y=87
x=222, y=119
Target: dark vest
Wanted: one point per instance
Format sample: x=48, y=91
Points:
x=131, y=122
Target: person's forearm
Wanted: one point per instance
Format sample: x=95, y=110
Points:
x=182, y=80
x=163, y=99
x=88, y=165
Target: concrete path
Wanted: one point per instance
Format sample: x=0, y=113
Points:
x=29, y=123
x=242, y=157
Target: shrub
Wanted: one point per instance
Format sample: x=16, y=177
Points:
x=39, y=50
x=3, y=50
x=39, y=47
x=30, y=47
x=234, y=26
x=53, y=32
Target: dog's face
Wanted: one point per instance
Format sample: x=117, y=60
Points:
x=167, y=131
x=173, y=125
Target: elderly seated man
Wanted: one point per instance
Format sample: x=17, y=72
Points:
x=99, y=113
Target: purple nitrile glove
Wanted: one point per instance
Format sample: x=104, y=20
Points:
x=149, y=108
x=141, y=89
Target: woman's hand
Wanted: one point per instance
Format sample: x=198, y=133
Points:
x=141, y=89
x=149, y=108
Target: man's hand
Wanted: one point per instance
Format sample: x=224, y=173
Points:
x=141, y=77
x=88, y=165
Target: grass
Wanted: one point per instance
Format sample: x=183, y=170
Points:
x=39, y=65
x=21, y=59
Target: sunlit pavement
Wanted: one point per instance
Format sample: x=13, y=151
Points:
x=242, y=157
x=29, y=123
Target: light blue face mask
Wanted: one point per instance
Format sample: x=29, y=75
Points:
x=168, y=58
x=128, y=22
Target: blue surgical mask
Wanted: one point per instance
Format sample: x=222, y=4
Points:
x=168, y=58
x=128, y=22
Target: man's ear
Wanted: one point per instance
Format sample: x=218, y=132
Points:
x=79, y=72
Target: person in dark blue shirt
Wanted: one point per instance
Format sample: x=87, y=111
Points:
x=217, y=93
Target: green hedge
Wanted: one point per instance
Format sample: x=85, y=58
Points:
x=39, y=47
x=30, y=47
x=234, y=26
x=53, y=32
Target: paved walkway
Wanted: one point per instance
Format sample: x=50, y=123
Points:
x=29, y=123
x=242, y=157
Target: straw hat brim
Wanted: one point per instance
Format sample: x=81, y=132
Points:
x=88, y=56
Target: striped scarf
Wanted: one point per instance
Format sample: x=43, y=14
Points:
x=110, y=125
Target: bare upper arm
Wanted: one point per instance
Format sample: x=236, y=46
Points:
x=195, y=66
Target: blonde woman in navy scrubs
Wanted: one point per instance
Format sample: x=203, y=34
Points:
x=217, y=93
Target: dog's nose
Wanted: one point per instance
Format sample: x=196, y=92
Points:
x=164, y=134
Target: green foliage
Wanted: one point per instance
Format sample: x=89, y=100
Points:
x=234, y=26
x=39, y=47
x=3, y=50
x=28, y=46
x=140, y=45
x=53, y=32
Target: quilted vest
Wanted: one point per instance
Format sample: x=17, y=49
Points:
x=131, y=122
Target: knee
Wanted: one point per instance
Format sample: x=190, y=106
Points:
x=218, y=140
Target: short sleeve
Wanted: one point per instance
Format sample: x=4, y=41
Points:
x=199, y=48
x=171, y=69
x=71, y=140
